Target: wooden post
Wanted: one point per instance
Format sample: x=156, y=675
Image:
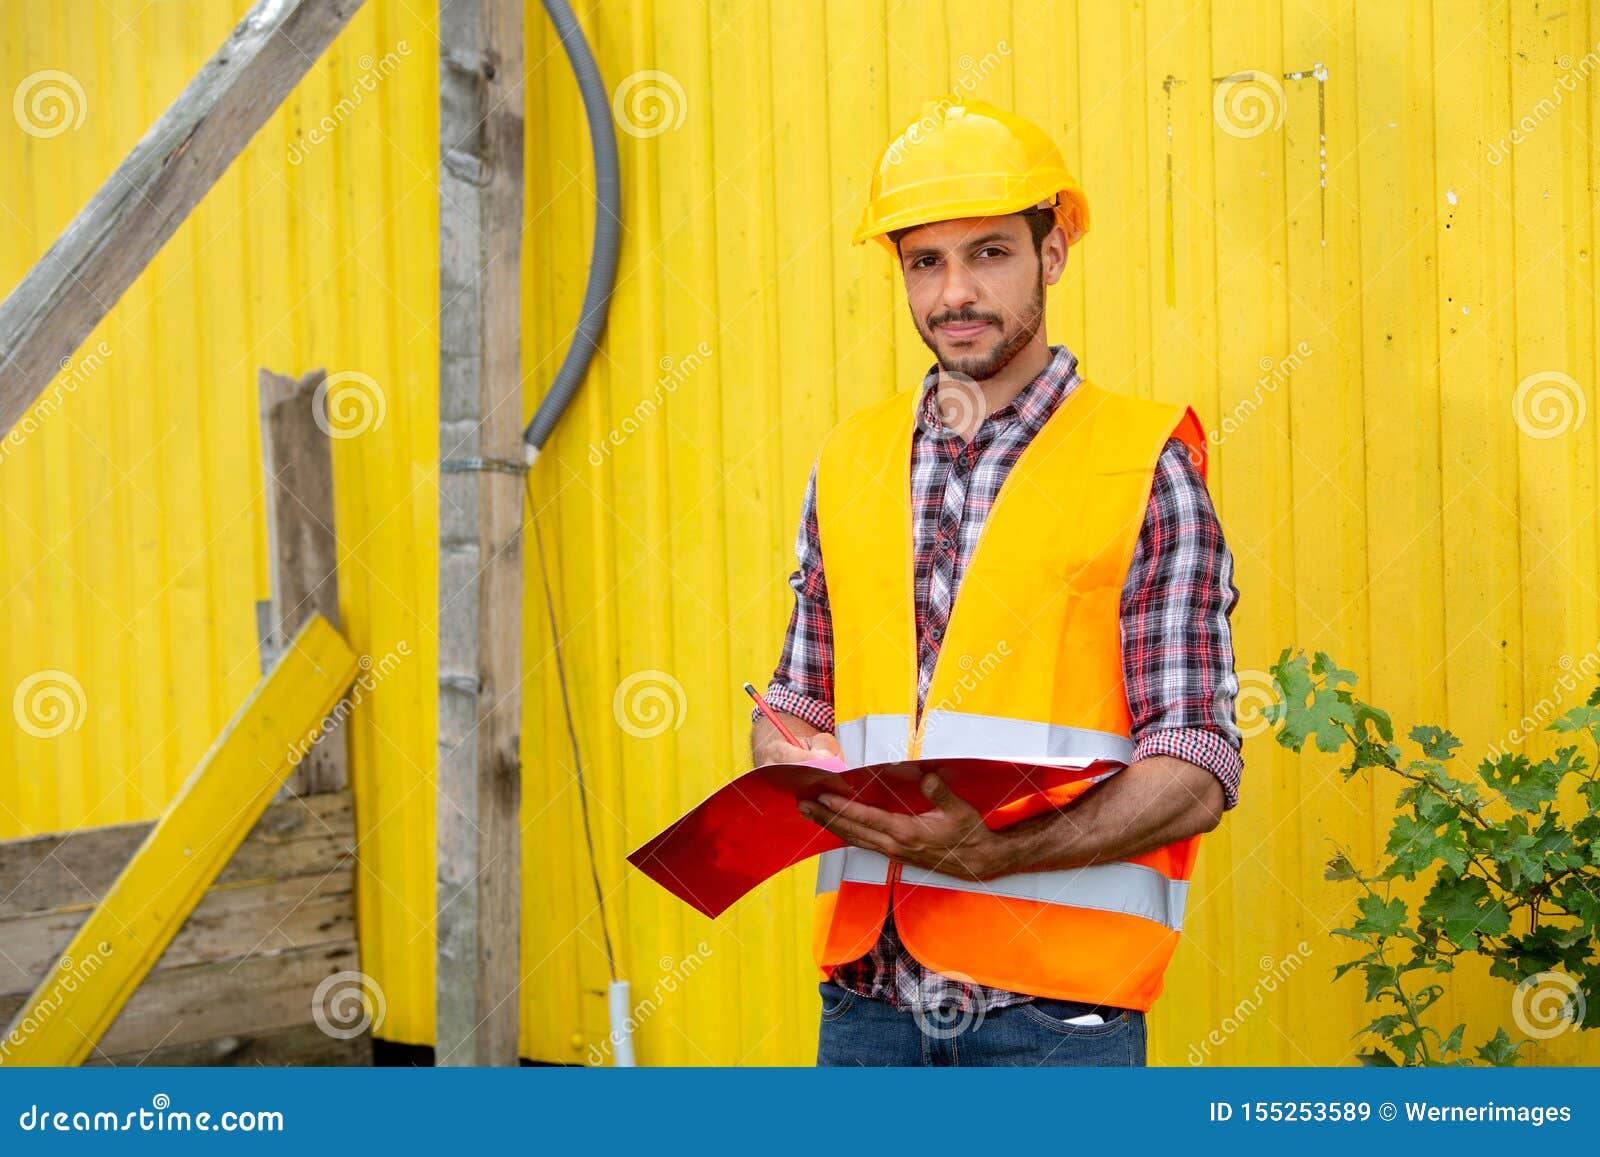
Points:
x=297, y=462
x=125, y=224
x=480, y=525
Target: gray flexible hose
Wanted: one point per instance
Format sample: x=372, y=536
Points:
x=607, y=231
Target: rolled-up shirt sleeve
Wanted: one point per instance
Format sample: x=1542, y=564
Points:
x=802, y=683
x=1177, y=645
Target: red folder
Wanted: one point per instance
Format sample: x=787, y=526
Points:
x=751, y=829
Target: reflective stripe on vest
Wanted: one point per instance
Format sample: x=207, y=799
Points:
x=1131, y=889
x=952, y=734
x=858, y=865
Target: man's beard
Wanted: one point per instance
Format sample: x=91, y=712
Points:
x=981, y=367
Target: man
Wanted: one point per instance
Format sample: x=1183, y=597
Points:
x=1092, y=627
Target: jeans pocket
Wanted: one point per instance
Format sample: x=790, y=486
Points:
x=836, y=1000
x=1053, y=1014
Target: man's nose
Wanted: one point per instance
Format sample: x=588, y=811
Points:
x=960, y=289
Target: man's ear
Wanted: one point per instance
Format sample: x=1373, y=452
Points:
x=1053, y=255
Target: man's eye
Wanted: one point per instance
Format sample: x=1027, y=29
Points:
x=994, y=249
x=919, y=262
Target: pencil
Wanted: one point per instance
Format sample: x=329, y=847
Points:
x=772, y=715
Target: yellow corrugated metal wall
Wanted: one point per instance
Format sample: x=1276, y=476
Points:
x=1350, y=296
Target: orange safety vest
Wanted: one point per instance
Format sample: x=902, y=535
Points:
x=1030, y=668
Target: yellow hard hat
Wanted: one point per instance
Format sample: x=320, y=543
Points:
x=966, y=158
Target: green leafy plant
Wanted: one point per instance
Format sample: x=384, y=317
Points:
x=1508, y=878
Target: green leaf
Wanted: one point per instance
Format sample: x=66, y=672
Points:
x=1514, y=851
x=1578, y=719
x=1307, y=708
x=1380, y=917
x=1500, y=1051
x=1452, y=1043
x=1366, y=713
x=1591, y=793
x=1435, y=808
x=1341, y=969
x=1464, y=910
x=1383, y=1026
x=1416, y=845
x=1376, y=1059
x=1523, y=784
x=1435, y=742
x=1340, y=868
x=1379, y=977
x=1582, y=899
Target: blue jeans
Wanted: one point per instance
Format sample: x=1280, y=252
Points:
x=857, y=1030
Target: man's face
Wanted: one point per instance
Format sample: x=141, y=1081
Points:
x=976, y=289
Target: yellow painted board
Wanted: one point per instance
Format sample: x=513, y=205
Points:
x=197, y=834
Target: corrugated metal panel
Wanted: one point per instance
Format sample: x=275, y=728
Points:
x=1382, y=505
x=132, y=519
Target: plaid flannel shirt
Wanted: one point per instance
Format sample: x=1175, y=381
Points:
x=1176, y=645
